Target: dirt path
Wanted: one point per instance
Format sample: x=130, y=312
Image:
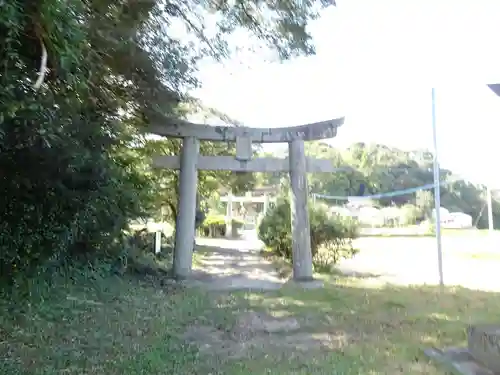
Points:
x=234, y=265
x=224, y=266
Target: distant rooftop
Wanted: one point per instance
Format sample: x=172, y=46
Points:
x=495, y=87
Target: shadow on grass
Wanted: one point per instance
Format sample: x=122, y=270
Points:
x=112, y=325
x=353, y=326
x=350, y=273
x=285, y=270
x=359, y=324
x=386, y=327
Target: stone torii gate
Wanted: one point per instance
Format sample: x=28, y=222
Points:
x=297, y=164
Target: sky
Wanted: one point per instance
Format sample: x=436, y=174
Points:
x=376, y=64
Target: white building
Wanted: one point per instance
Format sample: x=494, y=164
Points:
x=456, y=220
x=371, y=216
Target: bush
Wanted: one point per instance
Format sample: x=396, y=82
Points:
x=332, y=234
x=137, y=254
x=214, y=226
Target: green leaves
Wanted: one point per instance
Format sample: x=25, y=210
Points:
x=328, y=233
x=74, y=169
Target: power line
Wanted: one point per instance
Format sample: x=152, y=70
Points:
x=384, y=195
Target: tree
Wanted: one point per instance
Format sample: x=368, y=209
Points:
x=80, y=80
x=383, y=169
x=424, y=200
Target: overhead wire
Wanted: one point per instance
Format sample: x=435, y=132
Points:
x=384, y=195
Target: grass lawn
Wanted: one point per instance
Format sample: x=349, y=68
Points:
x=108, y=326
x=128, y=326
x=372, y=329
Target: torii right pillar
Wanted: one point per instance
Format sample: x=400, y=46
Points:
x=301, y=231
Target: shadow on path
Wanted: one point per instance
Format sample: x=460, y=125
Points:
x=234, y=265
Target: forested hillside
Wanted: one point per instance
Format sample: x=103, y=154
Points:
x=382, y=169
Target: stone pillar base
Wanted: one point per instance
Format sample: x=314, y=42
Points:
x=309, y=283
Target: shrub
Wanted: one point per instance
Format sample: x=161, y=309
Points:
x=275, y=229
x=332, y=234
x=137, y=254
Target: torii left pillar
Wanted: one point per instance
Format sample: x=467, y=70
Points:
x=186, y=211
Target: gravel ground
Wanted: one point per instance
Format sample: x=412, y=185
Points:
x=469, y=261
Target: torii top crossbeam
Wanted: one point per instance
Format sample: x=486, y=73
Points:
x=309, y=132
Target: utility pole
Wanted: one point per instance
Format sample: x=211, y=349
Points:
x=437, y=191
x=490, y=209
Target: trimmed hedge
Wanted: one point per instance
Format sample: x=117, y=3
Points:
x=214, y=226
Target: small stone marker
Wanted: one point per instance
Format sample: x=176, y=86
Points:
x=484, y=345
x=458, y=361
x=480, y=357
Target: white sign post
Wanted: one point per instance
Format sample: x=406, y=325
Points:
x=157, y=242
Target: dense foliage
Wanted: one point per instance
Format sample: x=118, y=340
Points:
x=330, y=233
x=80, y=81
x=67, y=185
x=384, y=169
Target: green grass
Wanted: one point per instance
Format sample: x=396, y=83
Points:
x=379, y=329
x=109, y=326
x=135, y=326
